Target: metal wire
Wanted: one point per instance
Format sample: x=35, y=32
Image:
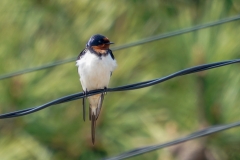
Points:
x=139, y=42
x=139, y=85
x=192, y=136
x=121, y=88
x=142, y=150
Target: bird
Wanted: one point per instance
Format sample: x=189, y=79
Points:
x=95, y=66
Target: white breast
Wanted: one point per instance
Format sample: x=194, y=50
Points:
x=95, y=71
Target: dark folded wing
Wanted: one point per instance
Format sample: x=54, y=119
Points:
x=81, y=54
x=111, y=54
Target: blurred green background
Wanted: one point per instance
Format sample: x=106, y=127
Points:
x=37, y=32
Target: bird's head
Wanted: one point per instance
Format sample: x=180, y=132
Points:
x=99, y=43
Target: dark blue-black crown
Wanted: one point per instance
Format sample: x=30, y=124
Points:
x=98, y=39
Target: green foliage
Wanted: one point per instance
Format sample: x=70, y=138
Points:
x=37, y=32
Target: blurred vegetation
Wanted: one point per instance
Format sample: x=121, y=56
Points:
x=36, y=32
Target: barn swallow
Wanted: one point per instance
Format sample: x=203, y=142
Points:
x=95, y=66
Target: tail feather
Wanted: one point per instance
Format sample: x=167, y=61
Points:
x=99, y=107
x=96, y=102
x=83, y=105
x=93, y=126
x=90, y=113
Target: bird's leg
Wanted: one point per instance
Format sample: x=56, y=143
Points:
x=83, y=104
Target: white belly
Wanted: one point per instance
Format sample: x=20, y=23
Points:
x=95, y=72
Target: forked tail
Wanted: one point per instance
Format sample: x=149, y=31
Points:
x=94, y=111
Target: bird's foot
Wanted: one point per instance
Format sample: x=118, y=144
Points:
x=105, y=90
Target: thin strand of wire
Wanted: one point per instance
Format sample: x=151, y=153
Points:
x=192, y=136
x=121, y=88
x=139, y=42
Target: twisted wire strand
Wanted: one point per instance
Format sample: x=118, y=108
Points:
x=120, y=88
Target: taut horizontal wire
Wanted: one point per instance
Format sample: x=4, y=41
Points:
x=139, y=42
x=192, y=136
x=45, y=66
x=121, y=88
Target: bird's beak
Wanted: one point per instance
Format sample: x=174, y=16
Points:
x=109, y=43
